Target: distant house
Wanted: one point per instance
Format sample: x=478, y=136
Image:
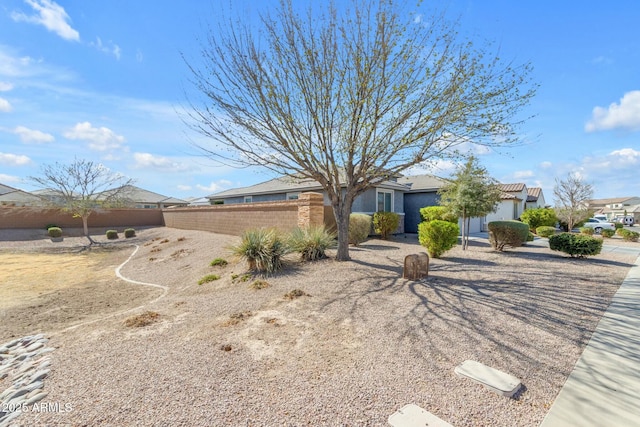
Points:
x=386, y=195
x=535, y=198
x=145, y=199
x=616, y=207
x=512, y=202
x=10, y=196
x=422, y=190
x=198, y=201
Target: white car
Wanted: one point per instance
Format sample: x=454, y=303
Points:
x=598, y=225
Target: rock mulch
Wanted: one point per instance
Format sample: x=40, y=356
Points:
x=24, y=362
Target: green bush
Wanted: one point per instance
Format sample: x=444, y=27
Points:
x=218, y=262
x=208, y=278
x=620, y=231
x=607, y=233
x=545, y=231
x=507, y=233
x=618, y=225
x=629, y=236
x=54, y=232
x=263, y=248
x=539, y=217
x=359, y=228
x=587, y=230
x=385, y=223
x=311, y=242
x=129, y=232
x=112, y=234
x=576, y=245
x=530, y=237
x=430, y=213
x=438, y=236
x=48, y=226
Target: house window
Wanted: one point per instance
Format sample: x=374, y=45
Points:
x=248, y=199
x=385, y=200
x=293, y=196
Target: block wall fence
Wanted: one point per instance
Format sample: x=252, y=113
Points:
x=35, y=217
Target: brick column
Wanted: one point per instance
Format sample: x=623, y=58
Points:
x=310, y=209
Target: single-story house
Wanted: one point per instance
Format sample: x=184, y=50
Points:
x=535, y=198
x=145, y=199
x=422, y=190
x=616, y=207
x=10, y=196
x=512, y=203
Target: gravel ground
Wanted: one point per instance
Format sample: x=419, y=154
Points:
x=363, y=342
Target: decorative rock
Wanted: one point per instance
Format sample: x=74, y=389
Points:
x=416, y=266
x=39, y=375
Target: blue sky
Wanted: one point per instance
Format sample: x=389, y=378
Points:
x=105, y=81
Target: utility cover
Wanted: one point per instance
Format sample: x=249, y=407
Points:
x=414, y=416
x=493, y=379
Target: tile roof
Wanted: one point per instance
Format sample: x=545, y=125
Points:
x=533, y=193
x=602, y=202
x=422, y=182
x=513, y=188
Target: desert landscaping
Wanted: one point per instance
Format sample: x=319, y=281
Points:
x=320, y=343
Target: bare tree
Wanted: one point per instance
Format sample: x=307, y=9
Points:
x=349, y=97
x=82, y=188
x=471, y=193
x=572, y=197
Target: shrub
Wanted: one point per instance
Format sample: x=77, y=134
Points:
x=112, y=234
x=359, y=228
x=263, y=248
x=54, y=232
x=48, y=226
x=530, y=237
x=218, y=262
x=129, y=232
x=587, y=230
x=311, y=242
x=507, y=233
x=607, y=233
x=259, y=284
x=545, y=231
x=630, y=236
x=620, y=231
x=438, y=236
x=385, y=223
x=430, y=213
x=576, y=245
x=539, y=217
x=208, y=278
x=618, y=225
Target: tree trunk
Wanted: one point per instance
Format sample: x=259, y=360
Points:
x=466, y=244
x=342, y=211
x=85, y=226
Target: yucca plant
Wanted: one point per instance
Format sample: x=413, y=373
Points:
x=311, y=242
x=263, y=248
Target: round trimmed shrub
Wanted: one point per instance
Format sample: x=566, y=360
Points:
x=359, y=228
x=545, y=231
x=311, y=242
x=112, y=234
x=430, y=213
x=576, y=245
x=129, y=232
x=587, y=230
x=54, y=232
x=385, y=223
x=48, y=226
x=507, y=233
x=438, y=236
x=607, y=233
x=530, y=237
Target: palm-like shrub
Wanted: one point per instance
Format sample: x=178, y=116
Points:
x=359, y=228
x=385, y=223
x=311, y=242
x=438, y=236
x=263, y=248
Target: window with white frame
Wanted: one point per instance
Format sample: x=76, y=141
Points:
x=248, y=199
x=384, y=200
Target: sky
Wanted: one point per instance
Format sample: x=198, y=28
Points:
x=106, y=82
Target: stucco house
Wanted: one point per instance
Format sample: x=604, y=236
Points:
x=422, y=190
x=616, y=207
x=145, y=199
x=10, y=196
x=386, y=196
x=535, y=198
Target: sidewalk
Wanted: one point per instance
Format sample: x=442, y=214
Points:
x=604, y=387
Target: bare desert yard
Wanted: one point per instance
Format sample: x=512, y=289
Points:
x=359, y=343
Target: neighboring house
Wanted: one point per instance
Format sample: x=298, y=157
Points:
x=422, y=190
x=198, y=201
x=385, y=196
x=616, y=207
x=512, y=203
x=145, y=199
x=10, y=196
x=535, y=198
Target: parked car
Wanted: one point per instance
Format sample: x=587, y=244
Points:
x=598, y=225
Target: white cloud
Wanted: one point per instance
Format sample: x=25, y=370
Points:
x=50, y=15
x=14, y=159
x=546, y=165
x=523, y=174
x=5, y=106
x=625, y=115
x=110, y=47
x=30, y=135
x=9, y=178
x=5, y=87
x=139, y=56
x=99, y=139
x=183, y=187
x=213, y=187
x=164, y=164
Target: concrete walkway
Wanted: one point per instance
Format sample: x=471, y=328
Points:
x=604, y=387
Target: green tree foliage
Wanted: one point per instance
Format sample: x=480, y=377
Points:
x=429, y=213
x=472, y=192
x=572, y=197
x=539, y=217
x=438, y=236
x=349, y=94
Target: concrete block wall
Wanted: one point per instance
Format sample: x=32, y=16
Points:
x=37, y=217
